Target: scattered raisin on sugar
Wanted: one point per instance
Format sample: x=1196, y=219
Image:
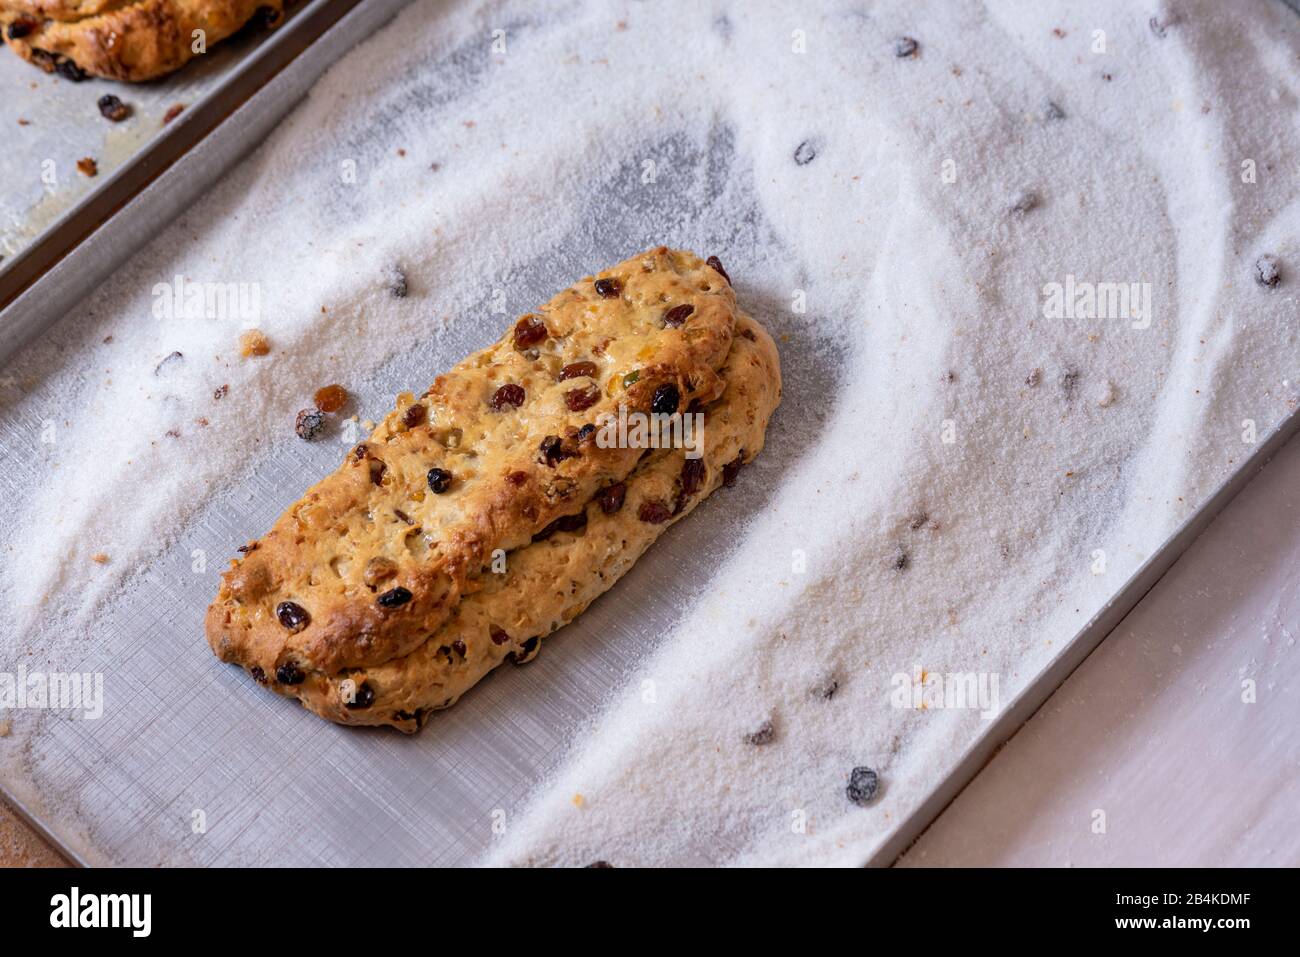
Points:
x=439, y=480
x=529, y=331
x=825, y=689
x=1268, y=271
x=761, y=735
x=112, y=108
x=415, y=415
x=362, y=698
x=331, y=398
x=1054, y=112
x=579, y=370
x=221, y=391
x=608, y=288
x=666, y=399
x=395, y=597
x=290, y=674
x=1025, y=202
x=498, y=636
x=87, y=166
x=804, y=153
x=166, y=360
x=397, y=285
x=692, y=476
x=509, y=395
x=732, y=469
x=575, y=400
x=862, y=786
x=714, y=263
x=677, y=315
x=654, y=513
x=905, y=47
x=292, y=615
x=258, y=674
x=611, y=498
x=253, y=342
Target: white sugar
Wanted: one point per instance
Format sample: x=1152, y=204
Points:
x=872, y=210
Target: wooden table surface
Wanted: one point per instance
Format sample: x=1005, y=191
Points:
x=20, y=846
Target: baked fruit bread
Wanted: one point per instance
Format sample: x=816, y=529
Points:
x=381, y=595
x=129, y=40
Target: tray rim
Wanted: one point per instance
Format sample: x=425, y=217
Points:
x=78, y=250
x=982, y=749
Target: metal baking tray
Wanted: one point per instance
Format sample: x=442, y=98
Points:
x=60, y=240
x=277, y=785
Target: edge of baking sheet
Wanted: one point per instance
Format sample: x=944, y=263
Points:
x=1027, y=703
x=87, y=243
x=172, y=189
x=1035, y=695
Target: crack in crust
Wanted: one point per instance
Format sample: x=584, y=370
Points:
x=374, y=560
x=129, y=40
x=550, y=582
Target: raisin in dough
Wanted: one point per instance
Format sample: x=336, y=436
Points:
x=373, y=559
x=550, y=582
x=131, y=40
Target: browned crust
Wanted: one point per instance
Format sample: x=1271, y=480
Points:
x=549, y=583
x=378, y=505
x=130, y=41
